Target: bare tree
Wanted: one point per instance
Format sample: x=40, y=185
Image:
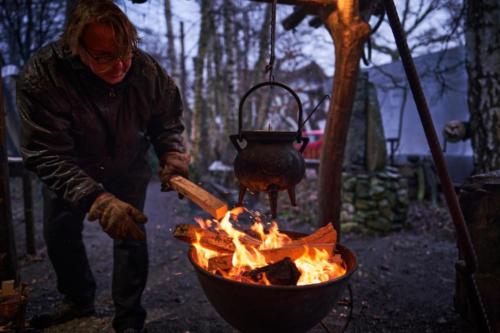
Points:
x=183, y=82
x=171, y=56
x=483, y=68
x=430, y=25
x=199, y=132
x=230, y=66
x=27, y=25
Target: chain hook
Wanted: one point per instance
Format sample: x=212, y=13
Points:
x=269, y=67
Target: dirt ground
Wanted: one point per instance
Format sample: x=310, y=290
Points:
x=404, y=283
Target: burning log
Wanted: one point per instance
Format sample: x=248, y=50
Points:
x=324, y=234
x=293, y=252
x=232, y=253
x=218, y=241
x=281, y=273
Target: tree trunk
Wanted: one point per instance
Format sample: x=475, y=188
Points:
x=183, y=83
x=242, y=63
x=199, y=130
x=260, y=66
x=229, y=71
x=483, y=68
x=8, y=258
x=172, y=61
x=218, y=79
x=213, y=101
x=349, y=32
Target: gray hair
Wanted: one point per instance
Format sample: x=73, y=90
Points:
x=100, y=11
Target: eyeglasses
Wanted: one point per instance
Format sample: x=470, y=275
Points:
x=107, y=60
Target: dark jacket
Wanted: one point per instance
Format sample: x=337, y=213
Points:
x=79, y=133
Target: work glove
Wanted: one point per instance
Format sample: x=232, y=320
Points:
x=455, y=130
x=117, y=218
x=173, y=164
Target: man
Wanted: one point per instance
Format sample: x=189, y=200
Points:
x=90, y=104
x=456, y=130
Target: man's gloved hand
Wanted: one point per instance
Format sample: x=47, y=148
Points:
x=455, y=130
x=173, y=164
x=117, y=218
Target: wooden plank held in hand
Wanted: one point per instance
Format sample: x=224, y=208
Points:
x=205, y=200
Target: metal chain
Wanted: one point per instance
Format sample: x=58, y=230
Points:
x=269, y=67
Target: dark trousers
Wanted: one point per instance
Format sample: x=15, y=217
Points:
x=63, y=226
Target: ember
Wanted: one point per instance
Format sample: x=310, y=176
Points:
x=264, y=257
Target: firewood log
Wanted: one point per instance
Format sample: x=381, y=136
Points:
x=282, y=273
x=324, y=234
x=217, y=241
x=224, y=262
x=204, y=199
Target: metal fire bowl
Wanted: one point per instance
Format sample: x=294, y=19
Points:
x=258, y=308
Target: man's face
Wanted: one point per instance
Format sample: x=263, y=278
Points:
x=100, y=53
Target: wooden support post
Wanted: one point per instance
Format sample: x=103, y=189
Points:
x=349, y=31
x=8, y=257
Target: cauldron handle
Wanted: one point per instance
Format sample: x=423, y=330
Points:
x=305, y=141
x=234, y=139
x=272, y=83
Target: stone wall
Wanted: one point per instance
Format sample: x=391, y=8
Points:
x=373, y=201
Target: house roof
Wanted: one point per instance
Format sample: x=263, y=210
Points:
x=444, y=81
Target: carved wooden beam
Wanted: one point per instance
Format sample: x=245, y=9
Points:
x=291, y=21
x=366, y=7
x=301, y=10
x=349, y=31
x=305, y=3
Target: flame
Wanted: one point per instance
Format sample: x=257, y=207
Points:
x=315, y=265
x=202, y=253
x=204, y=224
x=273, y=239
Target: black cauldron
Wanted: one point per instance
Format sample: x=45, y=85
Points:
x=268, y=161
x=258, y=308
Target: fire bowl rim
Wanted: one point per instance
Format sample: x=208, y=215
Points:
x=347, y=275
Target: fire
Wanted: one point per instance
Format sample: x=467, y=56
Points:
x=273, y=239
x=314, y=263
x=318, y=267
x=203, y=254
